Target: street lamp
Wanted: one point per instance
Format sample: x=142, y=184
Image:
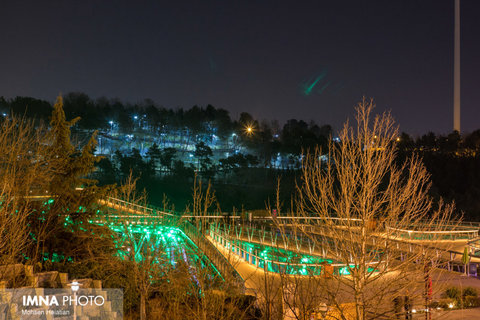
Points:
x=111, y=125
x=234, y=138
x=75, y=286
x=249, y=128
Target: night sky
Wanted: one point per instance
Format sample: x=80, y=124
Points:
x=274, y=59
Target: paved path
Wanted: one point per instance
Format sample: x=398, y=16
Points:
x=464, y=314
x=254, y=277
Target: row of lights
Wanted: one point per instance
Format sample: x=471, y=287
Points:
x=450, y=306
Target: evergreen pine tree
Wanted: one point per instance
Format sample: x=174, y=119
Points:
x=73, y=191
x=61, y=228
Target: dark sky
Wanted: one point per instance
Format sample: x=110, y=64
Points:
x=274, y=59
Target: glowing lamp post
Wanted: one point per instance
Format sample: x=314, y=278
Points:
x=234, y=136
x=111, y=125
x=249, y=130
x=75, y=286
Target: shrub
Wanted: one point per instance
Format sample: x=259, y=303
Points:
x=445, y=303
x=453, y=293
x=470, y=301
x=468, y=297
x=469, y=291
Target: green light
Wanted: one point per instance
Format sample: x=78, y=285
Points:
x=308, y=88
x=344, y=271
x=142, y=238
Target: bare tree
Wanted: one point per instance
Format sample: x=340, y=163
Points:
x=185, y=287
x=356, y=206
x=21, y=173
x=190, y=290
x=203, y=200
x=139, y=246
x=220, y=297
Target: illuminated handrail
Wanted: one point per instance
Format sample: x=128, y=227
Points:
x=442, y=234
x=258, y=261
x=226, y=269
x=129, y=206
x=205, y=246
x=433, y=231
x=405, y=246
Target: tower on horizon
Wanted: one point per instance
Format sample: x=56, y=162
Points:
x=456, y=70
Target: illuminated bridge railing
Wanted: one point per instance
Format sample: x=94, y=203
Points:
x=306, y=266
x=133, y=219
x=281, y=236
x=133, y=208
x=474, y=245
x=459, y=232
x=136, y=215
x=216, y=257
x=325, y=248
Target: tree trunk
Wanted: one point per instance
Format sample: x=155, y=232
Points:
x=143, y=311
